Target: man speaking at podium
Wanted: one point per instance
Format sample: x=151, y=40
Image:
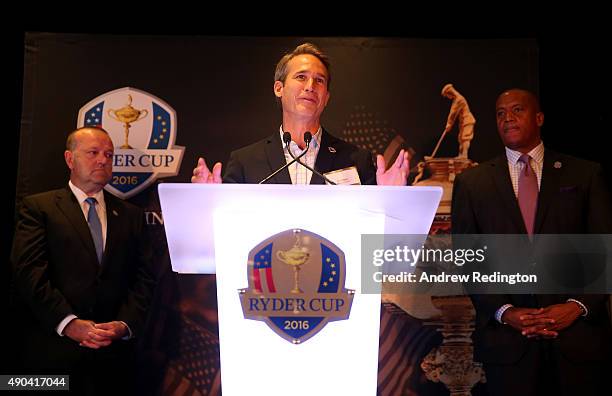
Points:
x=301, y=86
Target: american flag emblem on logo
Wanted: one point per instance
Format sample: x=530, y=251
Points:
x=296, y=284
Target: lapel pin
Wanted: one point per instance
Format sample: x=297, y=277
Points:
x=115, y=212
x=331, y=149
x=557, y=165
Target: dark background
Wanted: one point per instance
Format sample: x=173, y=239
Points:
x=573, y=84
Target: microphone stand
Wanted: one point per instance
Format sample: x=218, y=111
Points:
x=308, y=139
x=287, y=140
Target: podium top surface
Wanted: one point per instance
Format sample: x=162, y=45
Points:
x=189, y=211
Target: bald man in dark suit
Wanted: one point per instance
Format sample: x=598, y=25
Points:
x=81, y=276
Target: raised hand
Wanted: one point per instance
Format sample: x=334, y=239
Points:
x=201, y=173
x=397, y=174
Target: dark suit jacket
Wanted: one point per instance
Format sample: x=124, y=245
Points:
x=573, y=199
x=255, y=162
x=56, y=273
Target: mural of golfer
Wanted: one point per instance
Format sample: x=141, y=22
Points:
x=461, y=111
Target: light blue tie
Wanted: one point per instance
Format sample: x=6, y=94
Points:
x=95, y=227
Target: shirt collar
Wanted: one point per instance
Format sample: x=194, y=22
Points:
x=316, y=138
x=82, y=196
x=536, y=154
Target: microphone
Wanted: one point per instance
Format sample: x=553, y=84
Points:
x=287, y=141
x=307, y=140
x=286, y=138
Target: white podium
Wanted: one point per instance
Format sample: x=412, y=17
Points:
x=212, y=229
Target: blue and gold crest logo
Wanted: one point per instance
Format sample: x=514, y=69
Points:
x=296, y=284
x=143, y=130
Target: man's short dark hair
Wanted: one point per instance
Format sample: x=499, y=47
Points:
x=303, y=49
x=530, y=94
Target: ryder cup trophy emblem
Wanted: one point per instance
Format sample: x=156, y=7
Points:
x=296, y=284
x=295, y=257
x=143, y=129
x=127, y=114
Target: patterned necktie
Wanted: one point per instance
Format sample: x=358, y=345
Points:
x=528, y=193
x=95, y=227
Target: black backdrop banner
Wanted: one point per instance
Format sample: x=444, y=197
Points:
x=221, y=90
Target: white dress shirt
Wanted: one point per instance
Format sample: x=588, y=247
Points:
x=298, y=173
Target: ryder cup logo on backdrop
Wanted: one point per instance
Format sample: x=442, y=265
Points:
x=143, y=130
x=296, y=284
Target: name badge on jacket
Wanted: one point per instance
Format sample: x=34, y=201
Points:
x=346, y=176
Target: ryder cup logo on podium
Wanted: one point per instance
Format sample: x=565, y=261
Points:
x=143, y=130
x=296, y=284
